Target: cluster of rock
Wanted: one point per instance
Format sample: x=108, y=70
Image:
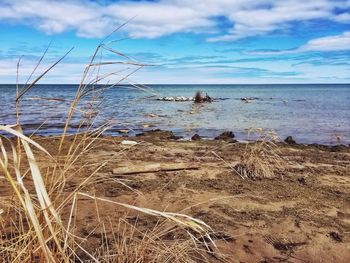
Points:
x=248, y=99
x=179, y=98
x=159, y=134
x=227, y=136
x=198, y=98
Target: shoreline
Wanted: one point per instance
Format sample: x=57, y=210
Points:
x=170, y=134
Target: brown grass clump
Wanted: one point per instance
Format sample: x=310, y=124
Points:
x=262, y=158
x=129, y=244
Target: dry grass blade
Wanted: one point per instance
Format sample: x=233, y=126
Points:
x=229, y=165
x=26, y=89
x=43, y=197
x=37, y=64
x=27, y=204
x=118, y=28
x=23, y=137
x=186, y=221
x=117, y=62
x=116, y=52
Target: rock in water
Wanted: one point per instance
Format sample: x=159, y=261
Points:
x=196, y=137
x=152, y=115
x=289, y=140
x=179, y=98
x=159, y=134
x=169, y=98
x=226, y=136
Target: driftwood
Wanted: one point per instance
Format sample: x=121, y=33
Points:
x=156, y=167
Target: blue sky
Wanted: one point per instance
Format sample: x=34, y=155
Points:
x=185, y=41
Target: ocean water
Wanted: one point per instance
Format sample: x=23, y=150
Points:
x=317, y=113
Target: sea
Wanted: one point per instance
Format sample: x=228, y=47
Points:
x=310, y=113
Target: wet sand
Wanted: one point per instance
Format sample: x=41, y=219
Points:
x=302, y=214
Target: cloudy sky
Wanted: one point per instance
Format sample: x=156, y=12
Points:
x=186, y=41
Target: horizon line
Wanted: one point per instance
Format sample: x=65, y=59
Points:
x=184, y=84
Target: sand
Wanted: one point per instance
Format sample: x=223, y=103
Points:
x=302, y=214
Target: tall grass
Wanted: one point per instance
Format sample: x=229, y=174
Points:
x=32, y=221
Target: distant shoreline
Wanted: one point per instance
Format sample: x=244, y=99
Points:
x=190, y=84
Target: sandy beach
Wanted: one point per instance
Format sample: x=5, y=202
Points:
x=300, y=214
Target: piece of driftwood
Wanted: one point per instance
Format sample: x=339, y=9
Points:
x=155, y=167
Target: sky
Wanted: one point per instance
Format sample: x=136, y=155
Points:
x=180, y=41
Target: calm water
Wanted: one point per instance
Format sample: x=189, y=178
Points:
x=310, y=113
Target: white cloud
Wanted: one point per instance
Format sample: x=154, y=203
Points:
x=155, y=19
x=343, y=17
x=275, y=15
x=329, y=43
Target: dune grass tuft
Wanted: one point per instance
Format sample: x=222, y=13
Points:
x=262, y=158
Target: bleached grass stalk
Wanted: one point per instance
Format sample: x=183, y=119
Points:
x=181, y=219
x=25, y=198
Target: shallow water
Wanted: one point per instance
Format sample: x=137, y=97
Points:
x=310, y=113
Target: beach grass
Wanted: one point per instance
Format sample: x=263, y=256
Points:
x=33, y=216
x=261, y=159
